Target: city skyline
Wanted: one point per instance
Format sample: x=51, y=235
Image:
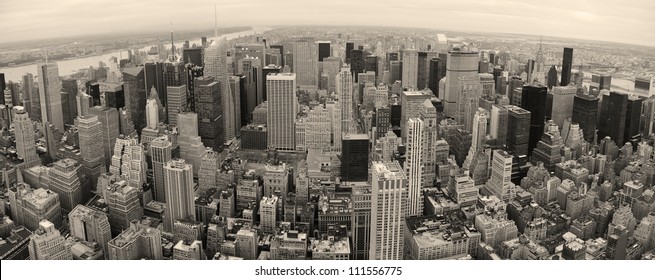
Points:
x=628, y=23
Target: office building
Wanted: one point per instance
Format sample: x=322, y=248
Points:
x=208, y=104
x=65, y=181
x=92, y=152
x=585, y=113
x=268, y=213
x=90, y=225
x=176, y=102
x=567, y=64
x=50, y=94
x=108, y=117
x=216, y=66
x=461, y=62
x=563, y=103
x=413, y=166
x=178, y=186
x=614, y=111
x=29, y=206
x=499, y=183
x=411, y=104
x=354, y=157
x=139, y=241
x=161, y=153
x=47, y=243
x=533, y=98
x=305, y=62
x=24, y=135
x=289, y=245
x=123, y=205
x=389, y=203
x=135, y=96
x=282, y=110
x=68, y=93
x=410, y=69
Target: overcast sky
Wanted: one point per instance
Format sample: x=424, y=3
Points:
x=627, y=21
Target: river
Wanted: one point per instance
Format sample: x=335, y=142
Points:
x=71, y=66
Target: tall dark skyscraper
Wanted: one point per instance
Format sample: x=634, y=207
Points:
x=154, y=76
x=323, y=50
x=632, y=119
x=135, y=96
x=193, y=71
x=208, y=107
x=567, y=63
x=552, y=77
x=533, y=99
x=68, y=104
x=437, y=72
x=356, y=63
x=3, y=85
x=354, y=160
x=371, y=64
x=585, y=113
x=613, y=113
x=350, y=46
x=518, y=130
x=192, y=55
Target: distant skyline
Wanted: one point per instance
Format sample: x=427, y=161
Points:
x=628, y=21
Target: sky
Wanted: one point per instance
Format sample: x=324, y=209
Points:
x=626, y=21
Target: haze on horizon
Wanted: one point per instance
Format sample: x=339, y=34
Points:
x=628, y=21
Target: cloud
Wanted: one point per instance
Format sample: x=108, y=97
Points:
x=629, y=21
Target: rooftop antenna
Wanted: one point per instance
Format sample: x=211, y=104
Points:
x=172, y=44
x=215, y=22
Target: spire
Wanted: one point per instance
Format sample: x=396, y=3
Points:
x=172, y=44
x=46, y=52
x=215, y=22
x=540, y=54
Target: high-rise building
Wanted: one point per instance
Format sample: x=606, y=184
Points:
x=129, y=161
x=154, y=78
x=208, y=96
x=499, y=183
x=518, y=130
x=613, y=112
x=268, y=213
x=632, y=119
x=139, y=241
x=585, y=113
x=47, y=243
x=24, y=134
x=135, y=96
x=647, y=123
x=411, y=104
x=68, y=93
x=361, y=220
x=246, y=244
x=461, y=62
x=30, y=206
x=599, y=82
x=92, y=151
x=437, y=71
x=331, y=67
x=282, y=110
x=90, y=225
x=562, y=104
x=216, y=66
x=567, y=64
x=388, y=207
x=305, y=62
x=533, y=98
x=410, y=69
x=413, y=166
x=498, y=124
x=209, y=163
x=354, y=157
x=178, y=185
x=176, y=102
x=108, y=117
x=161, y=153
x=344, y=86
x=191, y=147
x=123, y=205
x=324, y=50
x=31, y=93
x=50, y=94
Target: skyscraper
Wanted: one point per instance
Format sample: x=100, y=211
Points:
x=47, y=243
x=161, y=153
x=499, y=184
x=30, y=206
x=50, y=94
x=411, y=105
x=216, y=66
x=68, y=94
x=135, y=96
x=518, y=130
x=92, y=151
x=282, y=110
x=389, y=200
x=176, y=102
x=65, y=181
x=178, y=185
x=563, y=102
x=344, y=86
x=361, y=220
x=585, y=113
x=498, y=124
x=305, y=62
x=567, y=64
x=108, y=117
x=354, y=157
x=613, y=111
x=24, y=134
x=533, y=98
x=208, y=96
x=410, y=69
x=123, y=206
x=324, y=50
x=90, y=225
x=31, y=93
x=461, y=62
x=413, y=166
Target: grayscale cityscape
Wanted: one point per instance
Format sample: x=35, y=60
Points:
x=498, y=130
